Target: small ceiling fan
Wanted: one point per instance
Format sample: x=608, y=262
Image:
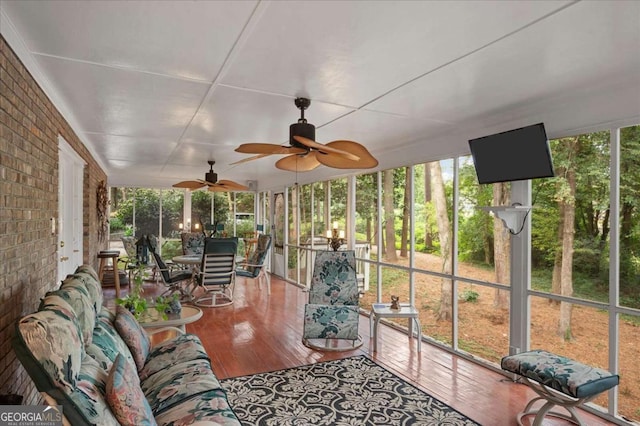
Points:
x=211, y=181
x=304, y=153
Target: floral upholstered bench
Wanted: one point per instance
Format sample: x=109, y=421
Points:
x=559, y=381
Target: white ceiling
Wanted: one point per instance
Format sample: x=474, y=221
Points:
x=157, y=88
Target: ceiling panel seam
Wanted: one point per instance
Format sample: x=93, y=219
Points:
x=246, y=30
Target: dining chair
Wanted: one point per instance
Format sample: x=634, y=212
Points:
x=176, y=280
x=217, y=272
x=192, y=243
x=253, y=267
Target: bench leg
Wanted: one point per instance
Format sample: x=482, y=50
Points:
x=552, y=399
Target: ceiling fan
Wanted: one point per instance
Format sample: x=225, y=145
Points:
x=304, y=153
x=211, y=181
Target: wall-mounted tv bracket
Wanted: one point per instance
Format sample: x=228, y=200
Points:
x=513, y=217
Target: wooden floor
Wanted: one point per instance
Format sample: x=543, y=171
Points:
x=260, y=333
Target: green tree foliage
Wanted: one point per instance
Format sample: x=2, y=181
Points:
x=475, y=235
x=591, y=164
x=201, y=207
x=366, y=205
x=630, y=217
x=147, y=210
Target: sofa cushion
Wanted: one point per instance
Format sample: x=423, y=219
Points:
x=125, y=397
x=89, y=395
x=50, y=345
x=107, y=344
x=330, y=322
x=210, y=406
x=89, y=278
x=177, y=383
x=185, y=347
x=133, y=335
x=78, y=297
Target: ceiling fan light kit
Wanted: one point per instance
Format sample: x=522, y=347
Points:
x=212, y=183
x=305, y=154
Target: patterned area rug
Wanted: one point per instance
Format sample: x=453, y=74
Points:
x=351, y=391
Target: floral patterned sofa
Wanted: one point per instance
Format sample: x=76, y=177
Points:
x=101, y=368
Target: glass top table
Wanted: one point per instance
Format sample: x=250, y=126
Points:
x=383, y=310
x=151, y=318
x=188, y=259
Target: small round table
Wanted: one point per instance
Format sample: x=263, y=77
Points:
x=188, y=259
x=151, y=318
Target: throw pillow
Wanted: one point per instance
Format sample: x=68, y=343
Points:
x=133, y=335
x=125, y=396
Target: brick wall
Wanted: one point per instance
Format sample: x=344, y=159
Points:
x=29, y=129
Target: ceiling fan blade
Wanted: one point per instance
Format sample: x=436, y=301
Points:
x=218, y=188
x=298, y=163
x=268, y=148
x=365, y=161
x=326, y=148
x=255, y=157
x=225, y=187
x=190, y=184
x=231, y=184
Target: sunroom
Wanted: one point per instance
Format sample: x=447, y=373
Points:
x=129, y=99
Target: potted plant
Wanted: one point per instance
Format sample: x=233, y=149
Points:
x=168, y=305
x=134, y=301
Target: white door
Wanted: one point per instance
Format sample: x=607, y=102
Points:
x=70, y=174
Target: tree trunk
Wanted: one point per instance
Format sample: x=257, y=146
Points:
x=445, y=312
x=605, y=228
x=428, y=238
x=389, y=216
x=566, y=273
x=556, y=278
x=501, y=248
x=293, y=235
x=404, y=234
x=486, y=244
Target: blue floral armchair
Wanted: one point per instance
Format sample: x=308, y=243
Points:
x=332, y=316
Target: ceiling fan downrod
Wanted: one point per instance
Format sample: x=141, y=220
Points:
x=211, y=176
x=302, y=128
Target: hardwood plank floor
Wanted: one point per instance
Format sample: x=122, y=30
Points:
x=260, y=333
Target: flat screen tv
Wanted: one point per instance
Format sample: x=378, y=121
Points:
x=518, y=154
